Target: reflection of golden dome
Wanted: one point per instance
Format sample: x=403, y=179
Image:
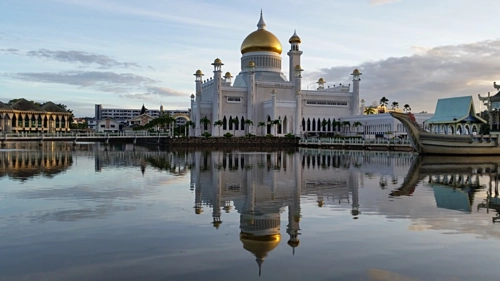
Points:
x=198, y=210
x=259, y=245
x=293, y=243
x=261, y=40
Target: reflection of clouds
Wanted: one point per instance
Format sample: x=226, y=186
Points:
x=99, y=211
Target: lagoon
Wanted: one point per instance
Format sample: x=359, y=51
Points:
x=124, y=212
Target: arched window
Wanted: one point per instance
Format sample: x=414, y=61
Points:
x=236, y=123
x=269, y=124
x=242, y=123
x=224, y=123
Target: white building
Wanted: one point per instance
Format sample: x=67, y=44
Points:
x=262, y=93
x=107, y=125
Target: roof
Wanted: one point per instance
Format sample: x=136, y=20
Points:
x=4, y=106
x=455, y=110
x=52, y=107
x=25, y=105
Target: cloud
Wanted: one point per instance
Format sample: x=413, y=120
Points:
x=382, y=2
x=153, y=93
x=103, y=81
x=431, y=73
x=78, y=57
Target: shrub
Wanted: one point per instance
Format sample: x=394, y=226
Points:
x=269, y=136
x=249, y=135
x=228, y=135
x=206, y=134
x=290, y=136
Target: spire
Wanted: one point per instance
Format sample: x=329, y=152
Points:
x=259, y=262
x=261, y=24
x=143, y=109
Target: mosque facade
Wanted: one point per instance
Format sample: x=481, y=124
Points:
x=262, y=100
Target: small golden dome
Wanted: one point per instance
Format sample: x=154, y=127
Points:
x=321, y=81
x=356, y=72
x=294, y=39
x=198, y=211
x=261, y=40
x=228, y=75
x=217, y=61
x=192, y=96
x=198, y=73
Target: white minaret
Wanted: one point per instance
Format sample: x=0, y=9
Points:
x=355, y=91
x=294, y=54
x=198, y=80
x=217, y=108
x=191, y=116
x=251, y=95
x=298, y=99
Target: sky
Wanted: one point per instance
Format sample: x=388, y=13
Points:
x=126, y=53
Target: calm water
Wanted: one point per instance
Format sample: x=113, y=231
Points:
x=95, y=213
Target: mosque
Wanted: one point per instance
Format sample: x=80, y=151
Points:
x=262, y=100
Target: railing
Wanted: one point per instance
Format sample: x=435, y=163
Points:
x=80, y=134
x=354, y=142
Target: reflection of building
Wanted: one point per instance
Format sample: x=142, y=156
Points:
x=493, y=106
x=25, y=164
x=263, y=185
x=24, y=116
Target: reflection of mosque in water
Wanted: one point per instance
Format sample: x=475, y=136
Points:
x=263, y=185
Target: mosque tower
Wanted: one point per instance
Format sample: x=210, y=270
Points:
x=217, y=107
x=294, y=54
x=198, y=80
x=355, y=91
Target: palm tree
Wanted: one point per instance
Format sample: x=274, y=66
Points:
x=395, y=105
x=406, y=108
x=337, y=125
x=261, y=124
x=218, y=123
x=356, y=125
x=190, y=123
x=346, y=124
x=324, y=123
x=248, y=123
x=234, y=121
x=275, y=123
x=384, y=101
x=204, y=121
x=369, y=110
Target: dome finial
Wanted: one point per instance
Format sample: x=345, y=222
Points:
x=261, y=24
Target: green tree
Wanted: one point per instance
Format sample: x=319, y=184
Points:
x=234, y=122
x=205, y=122
x=345, y=125
x=275, y=124
x=395, y=105
x=356, y=125
x=262, y=124
x=324, y=123
x=369, y=110
x=384, y=101
x=248, y=123
x=218, y=123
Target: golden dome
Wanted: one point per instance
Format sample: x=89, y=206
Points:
x=261, y=40
x=198, y=73
x=295, y=38
x=228, y=74
x=356, y=72
x=321, y=81
x=217, y=61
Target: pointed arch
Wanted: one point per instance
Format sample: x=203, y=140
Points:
x=224, y=123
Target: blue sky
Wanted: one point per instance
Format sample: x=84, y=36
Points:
x=125, y=53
